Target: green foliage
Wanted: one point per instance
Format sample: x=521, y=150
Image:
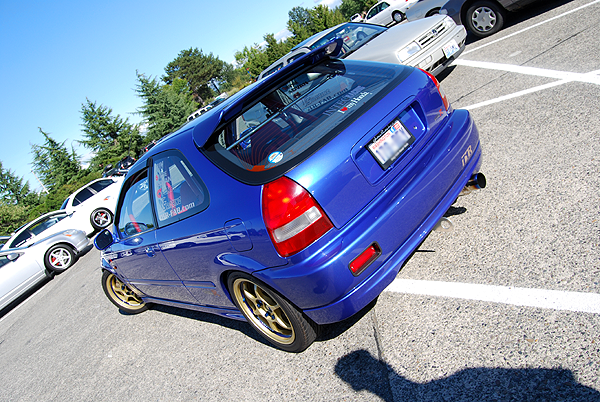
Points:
x=11, y=218
x=13, y=191
x=197, y=69
x=303, y=23
x=350, y=7
x=166, y=107
x=53, y=163
x=111, y=138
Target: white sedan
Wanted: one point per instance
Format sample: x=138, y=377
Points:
x=386, y=12
x=93, y=205
x=24, y=267
x=430, y=44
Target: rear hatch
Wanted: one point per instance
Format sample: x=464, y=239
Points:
x=342, y=129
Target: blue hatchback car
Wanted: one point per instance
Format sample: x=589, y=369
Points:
x=294, y=203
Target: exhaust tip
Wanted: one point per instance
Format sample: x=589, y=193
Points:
x=476, y=182
x=479, y=180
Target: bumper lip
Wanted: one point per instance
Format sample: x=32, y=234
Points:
x=367, y=290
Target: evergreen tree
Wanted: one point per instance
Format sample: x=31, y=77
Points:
x=166, y=107
x=111, y=138
x=53, y=163
x=14, y=191
x=197, y=69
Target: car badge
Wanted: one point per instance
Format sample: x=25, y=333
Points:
x=434, y=31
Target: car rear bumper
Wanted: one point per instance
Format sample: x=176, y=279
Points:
x=318, y=279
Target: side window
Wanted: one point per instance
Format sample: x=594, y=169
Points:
x=135, y=215
x=178, y=191
x=82, y=196
x=21, y=238
x=3, y=260
x=101, y=185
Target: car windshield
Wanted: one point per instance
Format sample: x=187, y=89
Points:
x=290, y=122
x=354, y=36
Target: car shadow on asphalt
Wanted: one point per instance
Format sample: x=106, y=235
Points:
x=241, y=326
x=325, y=332
x=362, y=371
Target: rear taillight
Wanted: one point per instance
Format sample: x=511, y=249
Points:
x=293, y=218
x=439, y=88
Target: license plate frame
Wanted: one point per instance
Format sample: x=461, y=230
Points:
x=450, y=48
x=390, y=143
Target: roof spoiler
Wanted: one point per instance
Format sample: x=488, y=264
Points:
x=329, y=50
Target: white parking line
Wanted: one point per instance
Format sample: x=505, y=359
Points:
x=564, y=76
x=515, y=95
x=551, y=299
x=590, y=78
x=531, y=27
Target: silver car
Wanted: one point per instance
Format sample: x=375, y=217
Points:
x=23, y=268
x=424, y=9
x=431, y=44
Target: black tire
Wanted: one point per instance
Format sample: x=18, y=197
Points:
x=434, y=11
x=484, y=18
x=101, y=218
x=120, y=295
x=273, y=317
x=398, y=17
x=59, y=257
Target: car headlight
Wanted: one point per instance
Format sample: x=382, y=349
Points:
x=449, y=22
x=406, y=52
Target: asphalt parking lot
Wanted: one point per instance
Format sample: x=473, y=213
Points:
x=505, y=307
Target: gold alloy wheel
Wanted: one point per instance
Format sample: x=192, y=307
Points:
x=122, y=295
x=265, y=314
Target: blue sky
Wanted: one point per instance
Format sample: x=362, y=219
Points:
x=55, y=54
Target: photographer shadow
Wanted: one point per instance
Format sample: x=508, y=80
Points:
x=364, y=372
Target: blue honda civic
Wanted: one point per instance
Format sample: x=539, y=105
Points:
x=294, y=203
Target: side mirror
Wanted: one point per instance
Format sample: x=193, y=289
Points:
x=13, y=256
x=108, y=167
x=103, y=240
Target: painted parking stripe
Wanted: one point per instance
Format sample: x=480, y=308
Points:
x=590, y=78
x=515, y=95
x=533, y=26
x=541, y=298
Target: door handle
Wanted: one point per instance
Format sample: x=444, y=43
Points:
x=149, y=252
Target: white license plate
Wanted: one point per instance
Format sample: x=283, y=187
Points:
x=390, y=143
x=450, y=48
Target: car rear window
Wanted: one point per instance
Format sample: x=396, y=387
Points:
x=291, y=121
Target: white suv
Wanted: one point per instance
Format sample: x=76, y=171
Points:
x=94, y=204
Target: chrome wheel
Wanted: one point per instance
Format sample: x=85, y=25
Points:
x=271, y=315
x=483, y=19
x=398, y=17
x=59, y=258
x=120, y=295
x=101, y=218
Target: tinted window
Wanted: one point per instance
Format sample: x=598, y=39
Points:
x=178, y=191
x=3, y=260
x=82, y=196
x=46, y=223
x=291, y=121
x=100, y=185
x=135, y=215
x=353, y=35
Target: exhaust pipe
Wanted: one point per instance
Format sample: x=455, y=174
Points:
x=476, y=182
